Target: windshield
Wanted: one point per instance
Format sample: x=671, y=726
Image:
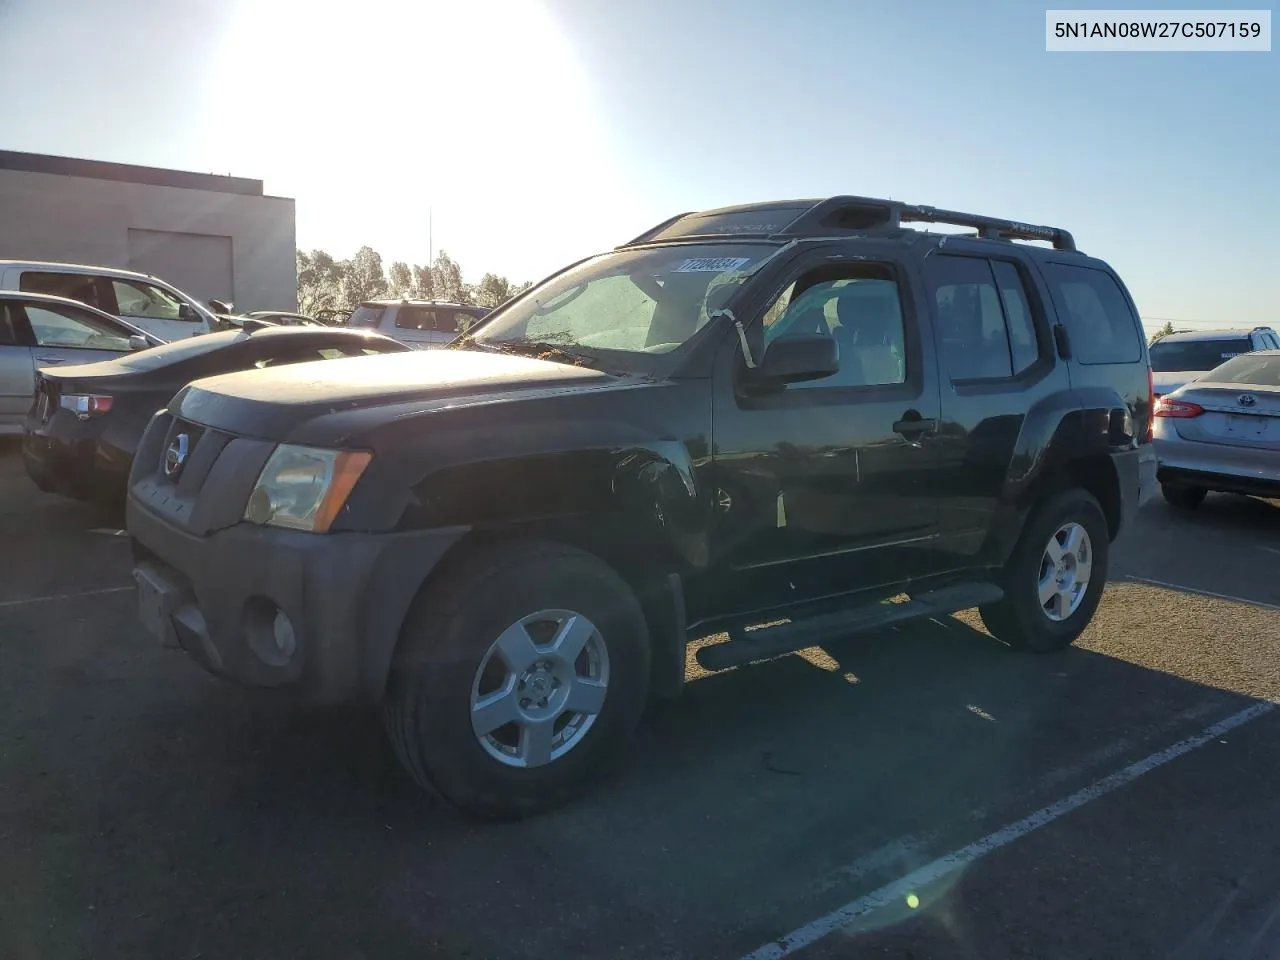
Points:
x=1171, y=356
x=1256, y=369
x=631, y=302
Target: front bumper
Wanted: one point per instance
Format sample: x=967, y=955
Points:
x=344, y=596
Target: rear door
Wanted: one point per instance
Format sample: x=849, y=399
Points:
x=17, y=373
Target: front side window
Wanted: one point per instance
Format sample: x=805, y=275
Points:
x=1171, y=356
x=857, y=304
x=60, y=327
x=137, y=299
x=629, y=303
x=1091, y=304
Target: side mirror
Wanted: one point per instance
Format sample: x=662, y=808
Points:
x=187, y=312
x=139, y=342
x=217, y=306
x=807, y=356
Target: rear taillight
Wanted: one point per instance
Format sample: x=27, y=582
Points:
x=1151, y=392
x=85, y=405
x=1179, y=409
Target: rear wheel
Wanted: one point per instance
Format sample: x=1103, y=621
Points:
x=520, y=674
x=1183, y=497
x=1054, y=579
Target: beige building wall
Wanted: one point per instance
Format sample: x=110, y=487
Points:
x=227, y=242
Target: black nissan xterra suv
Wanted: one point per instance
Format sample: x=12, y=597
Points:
x=781, y=414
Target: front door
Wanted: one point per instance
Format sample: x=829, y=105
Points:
x=17, y=374
x=828, y=486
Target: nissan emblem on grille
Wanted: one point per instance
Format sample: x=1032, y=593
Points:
x=1246, y=399
x=175, y=455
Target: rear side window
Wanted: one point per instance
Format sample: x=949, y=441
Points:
x=985, y=325
x=1096, y=313
x=73, y=286
x=415, y=318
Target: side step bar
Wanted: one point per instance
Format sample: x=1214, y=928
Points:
x=763, y=643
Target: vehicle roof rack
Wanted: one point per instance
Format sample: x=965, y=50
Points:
x=836, y=216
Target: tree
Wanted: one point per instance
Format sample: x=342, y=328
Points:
x=493, y=290
x=319, y=281
x=423, y=286
x=446, y=279
x=399, y=279
x=363, y=278
x=1163, y=331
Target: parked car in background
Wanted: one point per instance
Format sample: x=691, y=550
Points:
x=1179, y=357
x=422, y=324
x=1222, y=432
x=762, y=420
x=144, y=301
x=42, y=331
x=83, y=427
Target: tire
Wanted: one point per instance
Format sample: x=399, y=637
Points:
x=437, y=677
x=1182, y=497
x=1021, y=619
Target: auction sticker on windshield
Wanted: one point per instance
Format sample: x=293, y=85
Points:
x=712, y=264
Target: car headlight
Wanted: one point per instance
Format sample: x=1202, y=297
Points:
x=303, y=488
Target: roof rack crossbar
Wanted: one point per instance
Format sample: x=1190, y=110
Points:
x=989, y=227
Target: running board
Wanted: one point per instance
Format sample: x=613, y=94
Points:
x=764, y=643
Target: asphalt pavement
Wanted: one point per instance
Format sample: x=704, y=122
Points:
x=921, y=792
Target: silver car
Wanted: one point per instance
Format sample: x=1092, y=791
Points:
x=1222, y=432
x=42, y=331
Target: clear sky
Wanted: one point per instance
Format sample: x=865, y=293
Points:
x=542, y=130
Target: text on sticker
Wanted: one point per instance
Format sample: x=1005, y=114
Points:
x=712, y=264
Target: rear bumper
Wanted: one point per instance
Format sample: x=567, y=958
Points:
x=1221, y=482
x=1136, y=473
x=344, y=597
x=85, y=469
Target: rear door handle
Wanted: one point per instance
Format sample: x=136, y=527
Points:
x=52, y=359
x=915, y=426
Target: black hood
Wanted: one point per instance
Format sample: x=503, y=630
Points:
x=270, y=403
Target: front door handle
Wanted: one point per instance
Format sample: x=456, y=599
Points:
x=913, y=427
x=52, y=359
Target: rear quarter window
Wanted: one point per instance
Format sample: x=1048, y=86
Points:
x=1096, y=313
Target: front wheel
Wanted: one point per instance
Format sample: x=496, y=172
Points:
x=520, y=674
x=1054, y=579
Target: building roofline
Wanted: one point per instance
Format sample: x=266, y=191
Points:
x=128, y=173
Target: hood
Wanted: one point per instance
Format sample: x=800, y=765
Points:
x=1170, y=381
x=271, y=402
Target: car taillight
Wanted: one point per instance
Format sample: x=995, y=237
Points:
x=85, y=405
x=1151, y=392
x=1181, y=409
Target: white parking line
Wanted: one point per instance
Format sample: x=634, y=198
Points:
x=1205, y=593
x=63, y=596
x=900, y=890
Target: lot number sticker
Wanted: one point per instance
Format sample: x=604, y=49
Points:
x=712, y=264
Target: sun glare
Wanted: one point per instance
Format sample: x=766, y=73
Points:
x=370, y=113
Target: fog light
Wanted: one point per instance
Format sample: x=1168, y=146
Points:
x=270, y=633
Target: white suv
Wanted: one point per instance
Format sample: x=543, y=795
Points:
x=144, y=301
x=421, y=324
x=1179, y=357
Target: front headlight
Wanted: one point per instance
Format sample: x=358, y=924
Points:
x=303, y=488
